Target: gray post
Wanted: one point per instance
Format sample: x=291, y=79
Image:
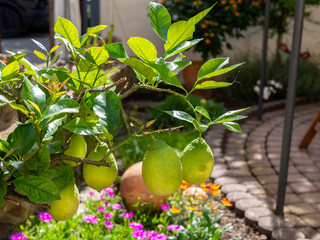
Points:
x=290, y=101
x=263, y=65
x=95, y=13
x=84, y=16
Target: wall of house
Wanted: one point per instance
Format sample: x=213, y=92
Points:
x=130, y=18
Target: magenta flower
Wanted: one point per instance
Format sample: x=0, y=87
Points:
x=45, y=217
x=151, y=234
x=111, y=194
x=159, y=236
x=139, y=234
x=101, y=209
x=18, y=236
x=107, y=203
x=102, y=197
x=90, y=218
x=109, y=225
x=91, y=193
x=165, y=207
x=109, y=189
x=108, y=215
x=173, y=227
x=115, y=206
x=135, y=225
x=128, y=215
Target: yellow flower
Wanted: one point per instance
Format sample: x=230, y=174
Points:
x=200, y=198
x=175, y=210
x=226, y=202
x=199, y=212
x=212, y=207
x=192, y=208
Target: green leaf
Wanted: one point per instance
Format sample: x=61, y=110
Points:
x=55, y=59
x=38, y=189
x=40, y=55
x=200, y=126
x=62, y=106
x=62, y=176
x=40, y=45
x=212, y=85
x=143, y=48
x=181, y=47
x=4, y=146
x=3, y=188
x=4, y=101
x=181, y=115
x=84, y=126
x=203, y=112
x=227, y=119
x=178, y=33
x=160, y=19
x=116, y=50
x=55, y=48
x=69, y=46
x=67, y=30
x=31, y=68
x=178, y=66
x=230, y=114
x=92, y=30
x=2, y=65
x=41, y=162
x=10, y=71
x=20, y=108
x=54, y=147
x=23, y=138
x=21, y=167
x=34, y=94
x=197, y=18
x=107, y=106
x=232, y=126
x=98, y=55
x=50, y=129
x=140, y=67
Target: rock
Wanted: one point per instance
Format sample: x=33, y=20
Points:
x=253, y=215
x=195, y=191
x=286, y=234
x=133, y=189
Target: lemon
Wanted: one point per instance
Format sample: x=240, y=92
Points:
x=77, y=148
x=197, y=162
x=67, y=206
x=100, y=177
x=161, y=169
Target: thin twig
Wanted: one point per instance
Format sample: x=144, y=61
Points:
x=81, y=160
x=81, y=94
x=109, y=86
x=161, y=130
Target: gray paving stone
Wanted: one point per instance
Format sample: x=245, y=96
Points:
x=216, y=173
x=311, y=197
x=235, y=196
x=262, y=171
x=267, y=224
x=297, y=177
x=313, y=220
x=303, y=187
x=293, y=221
x=253, y=215
x=292, y=198
x=237, y=164
x=243, y=204
x=308, y=168
x=313, y=176
x=287, y=234
x=300, y=208
x=227, y=188
x=264, y=179
x=224, y=180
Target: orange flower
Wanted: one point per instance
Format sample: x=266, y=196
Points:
x=235, y=6
x=208, y=41
x=223, y=26
x=203, y=185
x=211, y=34
x=231, y=1
x=175, y=210
x=226, y=8
x=184, y=185
x=215, y=186
x=203, y=26
x=212, y=207
x=195, y=2
x=226, y=202
x=199, y=212
x=206, y=34
x=214, y=192
x=192, y=208
x=223, y=2
x=239, y=1
x=236, y=13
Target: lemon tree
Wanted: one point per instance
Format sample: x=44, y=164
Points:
x=71, y=117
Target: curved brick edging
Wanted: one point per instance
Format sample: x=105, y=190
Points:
x=246, y=166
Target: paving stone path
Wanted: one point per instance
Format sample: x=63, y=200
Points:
x=247, y=167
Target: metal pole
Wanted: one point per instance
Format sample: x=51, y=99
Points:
x=95, y=13
x=84, y=16
x=289, y=114
x=51, y=23
x=263, y=65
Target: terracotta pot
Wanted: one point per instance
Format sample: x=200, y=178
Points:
x=190, y=75
x=133, y=189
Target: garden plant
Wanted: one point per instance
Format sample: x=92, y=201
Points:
x=68, y=118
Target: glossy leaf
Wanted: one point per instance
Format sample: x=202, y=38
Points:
x=197, y=18
x=178, y=66
x=160, y=19
x=20, y=108
x=230, y=114
x=92, y=30
x=21, y=167
x=200, y=126
x=34, y=94
x=178, y=33
x=40, y=45
x=40, y=55
x=61, y=176
x=41, y=162
x=203, y=112
x=2, y=65
x=181, y=47
x=54, y=48
x=232, y=126
x=143, y=48
x=140, y=67
x=211, y=66
x=67, y=30
x=10, y=71
x=55, y=59
x=23, y=138
x=4, y=146
x=116, y=50
x=38, y=189
x=84, y=126
x=98, y=55
x=228, y=119
x=181, y=115
x=212, y=85
x=62, y=106
x=107, y=106
x=4, y=101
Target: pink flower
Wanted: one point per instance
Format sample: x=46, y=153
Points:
x=91, y=193
x=109, y=189
x=109, y=225
x=101, y=209
x=159, y=236
x=45, y=217
x=19, y=236
x=128, y=215
x=28, y=222
x=115, y=206
x=173, y=227
x=139, y=234
x=111, y=194
x=135, y=225
x=102, y=197
x=165, y=207
x=108, y=215
x=90, y=218
x=107, y=203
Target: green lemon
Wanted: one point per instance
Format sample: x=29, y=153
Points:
x=67, y=206
x=77, y=148
x=197, y=162
x=100, y=177
x=161, y=169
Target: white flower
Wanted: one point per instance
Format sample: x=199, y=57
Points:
x=266, y=93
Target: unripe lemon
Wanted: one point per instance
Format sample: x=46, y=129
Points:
x=100, y=177
x=197, y=162
x=161, y=169
x=67, y=206
x=77, y=148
